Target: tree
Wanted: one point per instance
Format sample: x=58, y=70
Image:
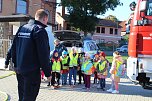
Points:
x=83, y=13
x=111, y=17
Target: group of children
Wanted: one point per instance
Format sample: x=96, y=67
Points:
x=69, y=64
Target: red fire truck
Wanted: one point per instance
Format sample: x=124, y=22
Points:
x=139, y=63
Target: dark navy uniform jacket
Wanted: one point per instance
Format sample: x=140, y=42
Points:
x=30, y=48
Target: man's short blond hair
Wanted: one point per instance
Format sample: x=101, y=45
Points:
x=41, y=13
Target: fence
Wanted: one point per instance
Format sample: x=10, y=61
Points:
x=5, y=44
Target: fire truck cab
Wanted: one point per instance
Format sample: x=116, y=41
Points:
x=139, y=63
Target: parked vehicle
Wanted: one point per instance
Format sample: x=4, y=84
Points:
x=139, y=66
x=122, y=49
x=72, y=38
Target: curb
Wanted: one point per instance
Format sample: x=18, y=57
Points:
x=4, y=76
x=5, y=94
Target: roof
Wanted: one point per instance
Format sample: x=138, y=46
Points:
x=14, y=18
x=108, y=23
x=65, y=16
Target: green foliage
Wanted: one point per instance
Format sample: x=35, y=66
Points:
x=83, y=12
x=124, y=40
x=126, y=37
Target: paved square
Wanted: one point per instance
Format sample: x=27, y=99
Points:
x=128, y=92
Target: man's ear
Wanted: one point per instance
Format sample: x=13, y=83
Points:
x=43, y=18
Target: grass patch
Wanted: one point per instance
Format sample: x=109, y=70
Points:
x=109, y=58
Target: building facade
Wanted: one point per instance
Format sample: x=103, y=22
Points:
x=107, y=31
x=14, y=13
x=28, y=7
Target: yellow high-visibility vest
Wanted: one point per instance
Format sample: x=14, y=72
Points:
x=64, y=61
x=56, y=67
x=73, y=60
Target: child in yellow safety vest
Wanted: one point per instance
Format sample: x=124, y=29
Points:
x=87, y=70
x=73, y=65
x=65, y=62
x=102, y=71
x=116, y=63
x=56, y=65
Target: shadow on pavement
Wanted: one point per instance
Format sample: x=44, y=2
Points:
x=125, y=88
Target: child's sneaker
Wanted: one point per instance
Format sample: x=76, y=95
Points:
x=115, y=92
x=110, y=90
x=52, y=87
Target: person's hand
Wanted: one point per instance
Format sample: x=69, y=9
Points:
x=6, y=66
x=61, y=71
x=78, y=68
x=49, y=78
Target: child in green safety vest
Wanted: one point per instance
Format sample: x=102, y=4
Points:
x=56, y=65
x=65, y=62
x=87, y=70
x=102, y=70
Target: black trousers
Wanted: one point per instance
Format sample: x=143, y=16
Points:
x=28, y=85
x=81, y=75
x=57, y=76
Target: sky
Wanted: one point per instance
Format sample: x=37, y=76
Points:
x=121, y=12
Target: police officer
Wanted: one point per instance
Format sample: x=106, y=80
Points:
x=30, y=52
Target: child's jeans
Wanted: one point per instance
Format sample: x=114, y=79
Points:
x=72, y=71
x=87, y=80
x=64, y=78
x=102, y=83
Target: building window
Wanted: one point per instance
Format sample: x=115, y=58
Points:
x=0, y=5
x=103, y=30
x=111, y=30
x=98, y=29
x=21, y=7
x=116, y=31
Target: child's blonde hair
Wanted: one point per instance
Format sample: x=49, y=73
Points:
x=117, y=55
x=116, y=52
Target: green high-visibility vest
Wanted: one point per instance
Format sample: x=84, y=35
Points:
x=86, y=67
x=64, y=61
x=73, y=60
x=56, y=67
x=102, y=65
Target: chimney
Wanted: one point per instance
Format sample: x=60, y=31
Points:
x=63, y=10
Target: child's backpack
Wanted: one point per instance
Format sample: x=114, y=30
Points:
x=120, y=69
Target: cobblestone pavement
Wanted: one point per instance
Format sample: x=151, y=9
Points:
x=128, y=92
